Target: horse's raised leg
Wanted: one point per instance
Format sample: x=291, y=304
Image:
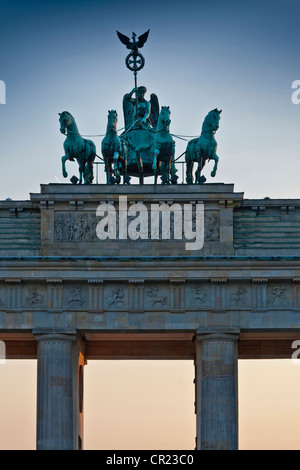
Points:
x=216, y=159
x=63, y=160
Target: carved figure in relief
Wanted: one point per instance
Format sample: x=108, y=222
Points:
x=71, y=228
x=199, y=294
x=75, y=295
x=34, y=297
x=83, y=227
x=278, y=296
x=94, y=222
x=211, y=226
x=58, y=226
x=117, y=297
x=240, y=297
x=154, y=293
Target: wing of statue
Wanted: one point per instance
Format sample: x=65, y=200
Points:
x=125, y=40
x=143, y=38
x=154, y=112
x=128, y=111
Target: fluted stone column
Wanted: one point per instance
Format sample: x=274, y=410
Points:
x=58, y=392
x=216, y=390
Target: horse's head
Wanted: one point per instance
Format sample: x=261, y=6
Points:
x=65, y=120
x=112, y=118
x=211, y=122
x=164, y=120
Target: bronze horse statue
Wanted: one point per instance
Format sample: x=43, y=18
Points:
x=203, y=148
x=114, y=152
x=163, y=149
x=77, y=148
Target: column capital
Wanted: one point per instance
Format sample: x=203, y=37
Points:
x=48, y=334
x=210, y=334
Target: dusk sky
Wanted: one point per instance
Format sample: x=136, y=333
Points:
x=238, y=56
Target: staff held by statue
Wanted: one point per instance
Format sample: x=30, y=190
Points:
x=134, y=61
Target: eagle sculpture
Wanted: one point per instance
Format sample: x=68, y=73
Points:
x=133, y=45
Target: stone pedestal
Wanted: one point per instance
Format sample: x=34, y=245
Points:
x=216, y=391
x=59, y=391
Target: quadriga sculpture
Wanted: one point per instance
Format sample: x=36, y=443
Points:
x=77, y=148
x=203, y=148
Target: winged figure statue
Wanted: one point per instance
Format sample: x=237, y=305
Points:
x=148, y=111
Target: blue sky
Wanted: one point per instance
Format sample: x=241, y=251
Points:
x=241, y=57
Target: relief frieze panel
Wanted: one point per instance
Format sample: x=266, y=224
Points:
x=179, y=296
x=81, y=227
x=72, y=227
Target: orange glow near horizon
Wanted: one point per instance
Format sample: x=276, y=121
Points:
x=150, y=405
